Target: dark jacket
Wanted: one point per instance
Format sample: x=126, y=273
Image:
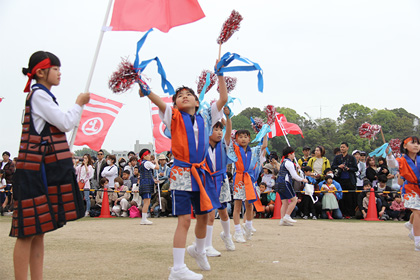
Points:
x=9, y=170
x=350, y=162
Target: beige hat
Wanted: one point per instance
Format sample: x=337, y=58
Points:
x=269, y=167
x=162, y=156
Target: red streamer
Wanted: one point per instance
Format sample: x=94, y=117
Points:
x=230, y=26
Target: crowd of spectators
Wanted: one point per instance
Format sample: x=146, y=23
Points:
x=322, y=197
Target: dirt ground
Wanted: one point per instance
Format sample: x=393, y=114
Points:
x=120, y=248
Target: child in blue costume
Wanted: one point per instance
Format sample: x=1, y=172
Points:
x=190, y=133
x=216, y=161
x=147, y=183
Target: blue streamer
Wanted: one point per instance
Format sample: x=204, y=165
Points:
x=264, y=130
x=139, y=67
x=252, y=66
x=203, y=92
x=380, y=152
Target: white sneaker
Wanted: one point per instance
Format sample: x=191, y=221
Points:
x=417, y=246
x=124, y=214
x=184, y=273
x=87, y=214
x=248, y=232
x=285, y=223
x=230, y=246
x=253, y=230
x=408, y=226
x=411, y=235
x=200, y=258
x=211, y=252
x=289, y=219
x=239, y=237
x=314, y=218
x=146, y=222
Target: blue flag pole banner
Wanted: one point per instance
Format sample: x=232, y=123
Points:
x=228, y=58
x=380, y=152
x=263, y=131
x=140, y=66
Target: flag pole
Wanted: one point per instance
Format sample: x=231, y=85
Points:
x=92, y=67
x=154, y=152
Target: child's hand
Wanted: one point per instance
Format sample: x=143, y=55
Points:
x=83, y=98
x=226, y=111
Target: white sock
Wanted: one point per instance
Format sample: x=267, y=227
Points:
x=226, y=227
x=238, y=228
x=144, y=216
x=209, y=236
x=287, y=216
x=199, y=244
x=178, y=254
x=248, y=224
x=416, y=239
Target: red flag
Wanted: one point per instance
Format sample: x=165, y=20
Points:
x=141, y=15
x=162, y=143
x=276, y=127
x=1, y=99
x=97, y=117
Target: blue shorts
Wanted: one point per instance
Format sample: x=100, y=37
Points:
x=288, y=192
x=223, y=206
x=182, y=201
x=146, y=195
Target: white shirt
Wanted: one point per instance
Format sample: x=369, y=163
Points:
x=212, y=154
x=44, y=109
x=166, y=118
x=291, y=168
x=3, y=185
x=149, y=165
x=110, y=172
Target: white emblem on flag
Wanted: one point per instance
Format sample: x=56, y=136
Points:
x=92, y=126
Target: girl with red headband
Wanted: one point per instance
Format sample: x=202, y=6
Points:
x=409, y=168
x=284, y=186
x=147, y=183
x=46, y=192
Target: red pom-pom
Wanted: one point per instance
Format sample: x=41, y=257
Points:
x=122, y=79
x=367, y=130
x=230, y=26
x=258, y=124
x=233, y=136
x=271, y=112
x=230, y=84
x=202, y=81
x=395, y=145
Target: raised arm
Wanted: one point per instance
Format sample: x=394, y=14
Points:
x=155, y=99
x=228, y=133
x=264, y=143
x=223, y=95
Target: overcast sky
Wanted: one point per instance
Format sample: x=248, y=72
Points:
x=316, y=56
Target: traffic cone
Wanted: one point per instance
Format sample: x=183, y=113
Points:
x=372, y=214
x=277, y=208
x=105, y=205
x=192, y=213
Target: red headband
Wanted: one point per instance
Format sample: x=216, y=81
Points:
x=409, y=139
x=45, y=64
x=145, y=154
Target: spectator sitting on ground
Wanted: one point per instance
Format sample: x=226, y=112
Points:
x=336, y=214
x=103, y=184
x=126, y=179
x=120, y=198
x=379, y=208
x=397, y=209
x=267, y=200
x=360, y=211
